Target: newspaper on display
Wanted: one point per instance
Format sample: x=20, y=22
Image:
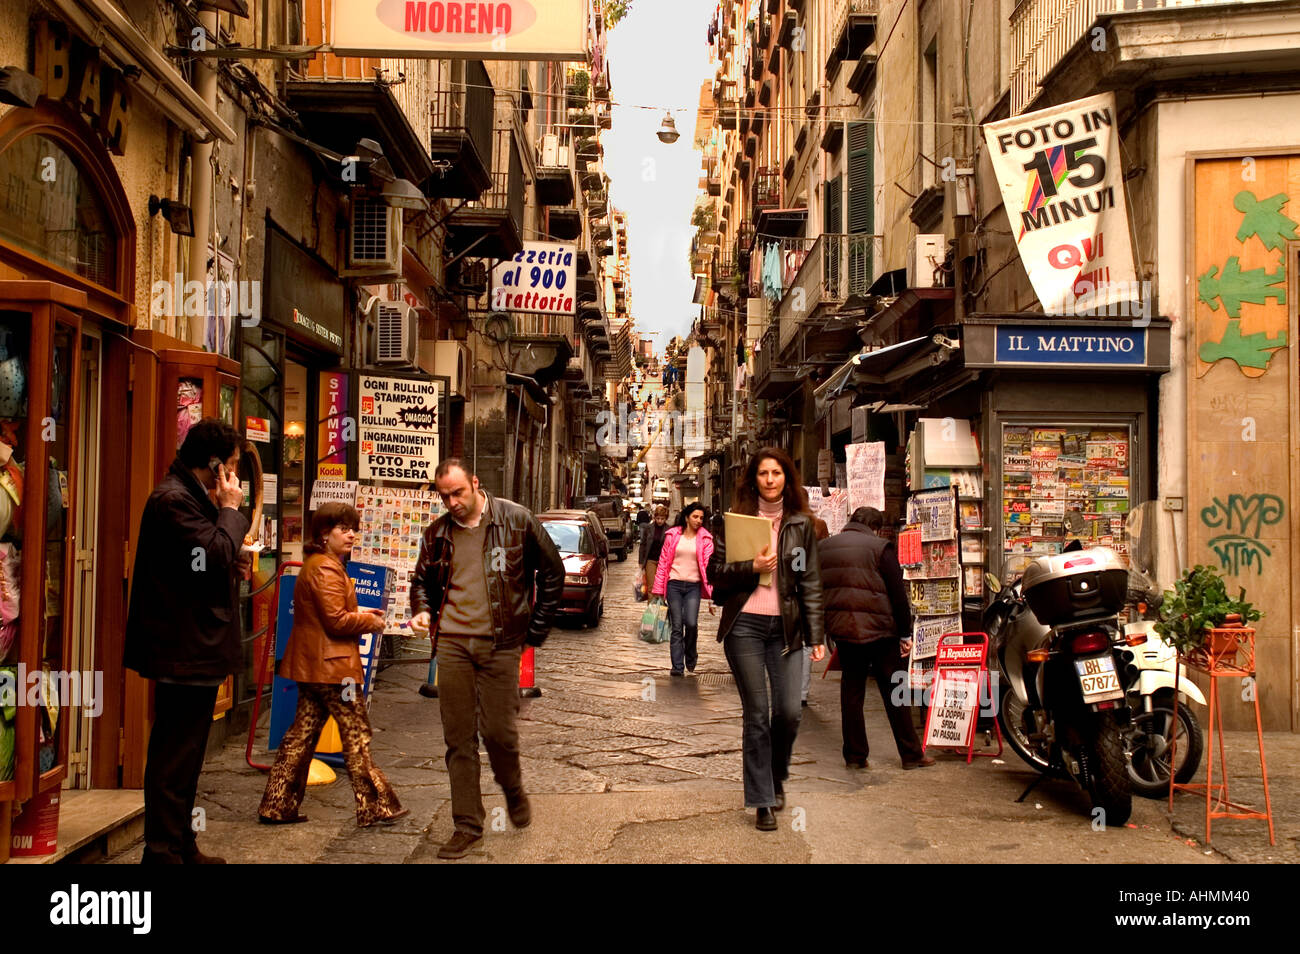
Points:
x=832, y=507
x=393, y=520
x=934, y=584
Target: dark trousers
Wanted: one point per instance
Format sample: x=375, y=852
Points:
x=755, y=650
x=478, y=688
x=182, y=717
x=882, y=660
x=375, y=798
x=684, y=617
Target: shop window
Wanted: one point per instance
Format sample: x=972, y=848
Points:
x=1064, y=483
x=50, y=207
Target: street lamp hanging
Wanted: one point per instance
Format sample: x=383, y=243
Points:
x=668, y=133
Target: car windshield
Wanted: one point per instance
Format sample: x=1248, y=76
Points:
x=570, y=538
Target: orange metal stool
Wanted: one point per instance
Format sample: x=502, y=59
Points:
x=1235, y=661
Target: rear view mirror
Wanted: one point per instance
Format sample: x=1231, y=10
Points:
x=995, y=585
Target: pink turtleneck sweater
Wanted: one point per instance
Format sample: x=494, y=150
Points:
x=763, y=601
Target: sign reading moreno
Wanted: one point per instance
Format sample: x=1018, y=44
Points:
x=442, y=29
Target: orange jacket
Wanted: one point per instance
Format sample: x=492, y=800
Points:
x=323, y=646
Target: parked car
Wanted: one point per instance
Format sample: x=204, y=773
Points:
x=584, y=564
x=593, y=521
x=662, y=493
x=618, y=527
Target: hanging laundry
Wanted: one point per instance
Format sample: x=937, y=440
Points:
x=772, y=271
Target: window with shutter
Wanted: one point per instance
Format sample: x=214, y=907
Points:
x=831, y=218
x=861, y=205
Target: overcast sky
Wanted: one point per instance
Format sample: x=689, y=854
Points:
x=658, y=57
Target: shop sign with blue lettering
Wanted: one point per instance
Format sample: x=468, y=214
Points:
x=1103, y=347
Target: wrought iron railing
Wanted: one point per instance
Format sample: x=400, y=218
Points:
x=1043, y=31
x=467, y=107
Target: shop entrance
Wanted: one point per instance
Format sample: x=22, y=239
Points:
x=85, y=518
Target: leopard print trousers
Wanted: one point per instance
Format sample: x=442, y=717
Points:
x=376, y=799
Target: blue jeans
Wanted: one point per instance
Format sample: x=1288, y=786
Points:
x=755, y=650
x=684, y=617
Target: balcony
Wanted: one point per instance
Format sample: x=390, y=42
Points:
x=772, y=379
x=556, y=182
x=767, y=189
x=854, y=29
x=819, y=275
x=542, y=345
x=492, y=226
x=460, y=139
x=1151, y=39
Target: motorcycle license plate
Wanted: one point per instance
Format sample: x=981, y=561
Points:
x=1098, y=679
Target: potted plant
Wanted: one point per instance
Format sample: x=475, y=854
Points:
x=1199, y=615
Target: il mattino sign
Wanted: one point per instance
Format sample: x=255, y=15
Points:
x=448, y=29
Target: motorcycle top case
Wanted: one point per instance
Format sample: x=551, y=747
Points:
x=1085, y=583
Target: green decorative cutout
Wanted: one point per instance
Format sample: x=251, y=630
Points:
x=1235, y=286
x=1264, y=219
x=1249, y=351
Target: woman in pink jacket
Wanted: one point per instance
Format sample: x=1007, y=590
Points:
x=683, y=579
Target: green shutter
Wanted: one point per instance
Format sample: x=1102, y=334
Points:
x=831, y=219
x=861, y=205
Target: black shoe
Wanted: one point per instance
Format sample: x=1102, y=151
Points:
x=197, y=857
x=678, y=672
x=459, y=846
x=520, y=810
x=780, y=800
x=428, y=690
x=857, y=765
x=281, y=821
x=765, y=821
x=925, y=762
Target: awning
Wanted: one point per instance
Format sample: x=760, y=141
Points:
x=781, y=223
x=886, y=366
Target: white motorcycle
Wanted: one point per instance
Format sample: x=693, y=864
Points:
x=1153, y=728
x=1151, y=698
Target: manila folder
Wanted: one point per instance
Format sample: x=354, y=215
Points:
x=746, y=538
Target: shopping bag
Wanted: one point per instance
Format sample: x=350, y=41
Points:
x=663, y=630
x=648, y=624
x=639, y=592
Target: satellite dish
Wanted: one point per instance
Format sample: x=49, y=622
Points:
x=499, y=328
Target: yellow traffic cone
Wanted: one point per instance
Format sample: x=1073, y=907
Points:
x=318, y=773
x=330, y=741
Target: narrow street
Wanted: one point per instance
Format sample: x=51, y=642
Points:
x=627, y=765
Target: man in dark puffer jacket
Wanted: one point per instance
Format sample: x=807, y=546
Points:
x=868, y=616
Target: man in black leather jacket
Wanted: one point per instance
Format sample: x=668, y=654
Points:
x=474, y=587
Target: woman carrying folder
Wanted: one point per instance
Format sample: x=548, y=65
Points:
x=765, y=625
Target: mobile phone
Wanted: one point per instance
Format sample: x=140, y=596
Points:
x=214, y=465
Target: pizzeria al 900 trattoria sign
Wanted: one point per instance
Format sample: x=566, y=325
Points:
x=446, y=29
x=397, y=429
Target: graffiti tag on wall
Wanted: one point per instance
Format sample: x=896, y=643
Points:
x=1241, y=518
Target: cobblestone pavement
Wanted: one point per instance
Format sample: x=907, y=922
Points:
x=625, y=764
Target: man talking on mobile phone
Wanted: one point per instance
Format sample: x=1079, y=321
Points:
x=183, y=628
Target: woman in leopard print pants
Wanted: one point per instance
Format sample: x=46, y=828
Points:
x=324, y=659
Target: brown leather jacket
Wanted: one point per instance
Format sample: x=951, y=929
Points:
x=323, y=646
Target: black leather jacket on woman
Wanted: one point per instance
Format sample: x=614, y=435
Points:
x=528, y=561
x=800, y=591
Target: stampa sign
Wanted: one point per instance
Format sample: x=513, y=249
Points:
x=449, y=29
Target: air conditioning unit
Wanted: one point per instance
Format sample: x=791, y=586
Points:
x=374, y=240
x=396, y=338
x=551, y=150
x=448, y=359
x=925, y=254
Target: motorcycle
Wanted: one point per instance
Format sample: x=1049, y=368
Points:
x=1066, y=670
x=1154, y=731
